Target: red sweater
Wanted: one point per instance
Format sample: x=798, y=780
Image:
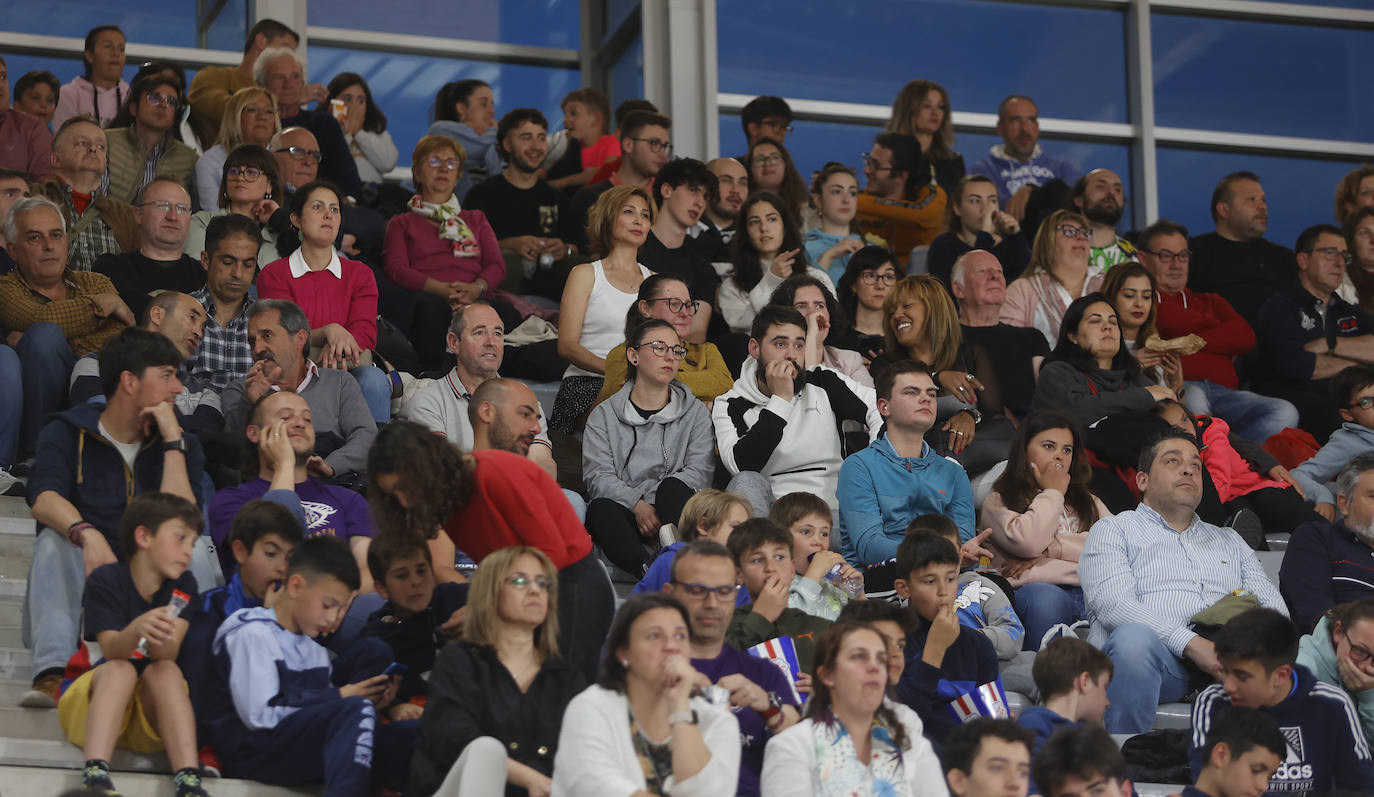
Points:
x=414, y=252
x=514, y=502
x=349, y=301
x=1228, y=335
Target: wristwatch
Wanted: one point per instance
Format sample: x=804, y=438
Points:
x=174, y=445
x=682, y=716
x=973, y=411
x=773, y=710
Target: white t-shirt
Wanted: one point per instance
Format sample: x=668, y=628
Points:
x=126, y=450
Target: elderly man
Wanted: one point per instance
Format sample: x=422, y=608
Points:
x=279, y=336
x=280, y=71
x=980, y=286
x=298, y=161
x=1148, y=571
x=51, y=314
x=98, y=223
x=1327, y=564
x=163, y=211
x=214, y=85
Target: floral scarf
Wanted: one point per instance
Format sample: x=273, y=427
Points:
x=840, y=771
x=451, y=228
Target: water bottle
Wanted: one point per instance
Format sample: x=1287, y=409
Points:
x=174, y=607
x=850, y=585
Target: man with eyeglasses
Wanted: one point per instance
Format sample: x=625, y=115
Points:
x=978, y=282
x=299, y=158
x=280, y=71
x=1236, y=261
x=1100, y=197
x=1212, y=384
x=96, y=223
x=899, y=203
x=684, y=189
x=163, y=210
x=1307, y=334
x=765, y=117
x=1029, y=183
x=761, y=697
x=645, y=148
x=146, y=148
x=778, y=428
x=1325, y=564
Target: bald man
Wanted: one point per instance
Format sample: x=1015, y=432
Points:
x=505, y=416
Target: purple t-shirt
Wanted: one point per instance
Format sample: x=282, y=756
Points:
x=337, y=511
x=753, y=730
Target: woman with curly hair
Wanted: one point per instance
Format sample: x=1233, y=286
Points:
x=419, y=483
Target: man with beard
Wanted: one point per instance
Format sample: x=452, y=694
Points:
x=1236, y=261
x=504, y=414
x=279, y=337
x=1100, y=197
x=762, y=699
x=713, y=231
x=899, y=203
x=1326, y=564
x=779, y=428
x=683, y=190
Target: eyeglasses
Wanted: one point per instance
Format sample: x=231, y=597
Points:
x=656, y=144
x=447, y=164
x=523, y=583
x=869, y=163
x=661, y=349
x=699, y=591
x=1333, y=253
x=256, y=111
x=249, y=173
x=677, y=305
x=302, y=154
x=767, y=160
x=162, y=100
x=874, y=277
x=1074, y=231
x=1363, y=403
x=1359, y=654
x=1165, y=256
x=167, y=207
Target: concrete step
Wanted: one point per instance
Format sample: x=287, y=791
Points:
x=19, y=780
x=11, y=689
x=16, y=663
x=14, y=516
x=30, y=724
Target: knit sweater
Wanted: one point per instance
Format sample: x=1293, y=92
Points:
x=413, y=252
x=348, y=298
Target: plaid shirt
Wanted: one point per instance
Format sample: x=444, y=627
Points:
x=21, y=307
x=223, y=354
x=90, y=243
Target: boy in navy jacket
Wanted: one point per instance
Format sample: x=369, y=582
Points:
x=1243, y=751
x=943, y=658
x=1326, y=746
x=1071, y=676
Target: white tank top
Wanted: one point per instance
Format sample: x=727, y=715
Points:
x=603, y=325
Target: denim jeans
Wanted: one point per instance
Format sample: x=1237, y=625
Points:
x=1145, y=674
x=376, y=389
x=11, y=404
x=52, y=616
x=46, y=361
x=1042, y=606
x=1250, y=415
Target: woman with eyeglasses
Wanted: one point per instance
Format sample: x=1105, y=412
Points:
x=142, y=141
x=666, y=297
x=1058, y=274
x=364, y=126
x=921, y=110
x=1340, y=652
x=250, y=118
x=973, y=221
x=645, y=450
x=835, y=196
x=442, y=255
x=817, y=305
x=497, y=696
x=771, y=169
x=420, y=483
x=867, y=280
x=100, y=90
x=338, y=295
x=644, y=728
x=249, y=186
x=767, y=251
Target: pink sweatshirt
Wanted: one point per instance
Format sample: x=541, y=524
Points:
x=1044, y=529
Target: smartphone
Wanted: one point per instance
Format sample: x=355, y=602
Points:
x=395, y=668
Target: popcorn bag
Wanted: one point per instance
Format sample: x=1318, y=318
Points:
x=783, y=653
x=987, y=700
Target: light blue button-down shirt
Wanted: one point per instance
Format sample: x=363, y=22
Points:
x=1135, y=568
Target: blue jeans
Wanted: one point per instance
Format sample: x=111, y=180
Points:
x=52, y=617
x=376, y=389
x=1042, y=606
x=1250, y=415
x=1146, y=674
x=11, y=404
x=46, y=361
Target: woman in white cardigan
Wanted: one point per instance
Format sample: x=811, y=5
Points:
x=639, y=731
x=852, y=740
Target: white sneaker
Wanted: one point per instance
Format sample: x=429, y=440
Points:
x=11, y=484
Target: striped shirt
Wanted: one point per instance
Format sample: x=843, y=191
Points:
x=1135, y=568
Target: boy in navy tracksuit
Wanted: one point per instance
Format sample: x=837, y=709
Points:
x=281, y=716
x=1326, y=745
x=1243, y=751
x=1071, y=676
x=418, y=618
x=943, y=658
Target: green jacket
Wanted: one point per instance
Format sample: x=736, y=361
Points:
x=127, y=160
x=1318, y=654
x=747, y=628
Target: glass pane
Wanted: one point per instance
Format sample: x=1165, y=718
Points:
x=627, y=76
x=812, y=144
x=1299, y=191
x=865, y=51
x=547, y=23
x=64, y=69
x=151, y=23
x=1259, y=77
x=405, y=86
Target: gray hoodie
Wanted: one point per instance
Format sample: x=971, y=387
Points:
x=625, y=455
x=1346, y=442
